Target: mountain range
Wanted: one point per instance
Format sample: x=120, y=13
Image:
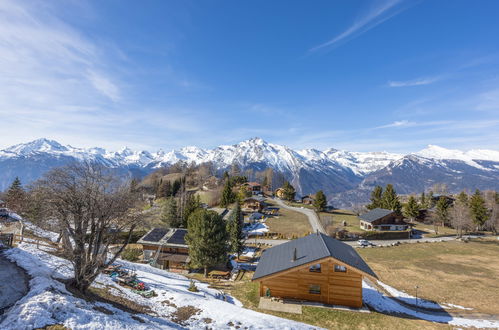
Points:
x=346, y=177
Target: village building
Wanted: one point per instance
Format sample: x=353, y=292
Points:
x=166, y=248
x=308, y=199
x=254, y=187
x=313, y=268
x=279, y=193
x=253, y=204
x=256, y=216
x=382, y=219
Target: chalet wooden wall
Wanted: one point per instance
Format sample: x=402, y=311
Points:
x=337, y=288
x=165, y=249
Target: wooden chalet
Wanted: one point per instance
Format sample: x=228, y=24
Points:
x=253, y=204
x=308, y=199
x=382, y=219
x=279, y=193
x=254, y=187
x=313, y=268
x=167, y=248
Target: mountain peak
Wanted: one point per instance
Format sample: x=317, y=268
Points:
x=38, y=145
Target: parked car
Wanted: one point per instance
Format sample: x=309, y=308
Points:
x=364, y=243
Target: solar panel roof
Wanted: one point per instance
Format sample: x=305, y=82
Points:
x=178, y=237
x=155, y=235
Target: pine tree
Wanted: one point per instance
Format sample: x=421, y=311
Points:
x=479, y=211
x=376, y=198
x=234, y=230
x=411, y=209
x=192, y=203
x=320, y=201
x=176, y=187
x=390, y=200
x=463, y=197
x=164, y=189
x=430, y=203
x=442, y=211
x=288, y=191
x=227, y=195
x=423, y=201
x=15, y=196
x=169, y=213
x=207, y=239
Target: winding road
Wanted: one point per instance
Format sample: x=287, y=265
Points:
x=315, y=223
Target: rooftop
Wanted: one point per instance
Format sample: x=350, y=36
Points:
x=165, y=236
x=308, y=249
x=375, y=214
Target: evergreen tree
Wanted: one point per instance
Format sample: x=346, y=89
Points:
x=227, y=195
x=320, y=201
x=192, y=203
x=479, y=211
x=164, y=189
x=243, y=193
x=288, y=191
x=15, y=196
x=169, y=213
x=176, y=186
x=463, y=198
x=390, y=200
x=430, y=203
x=207, y=239
x=376, y=198
x=235, y=231
x=411, y=209
x=423, y=201
x=442, y=211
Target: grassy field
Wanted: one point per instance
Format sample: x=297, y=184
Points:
x=338, y=216
x=247, y=293
x=430, y=230
x=289, y=223
x=465, y=274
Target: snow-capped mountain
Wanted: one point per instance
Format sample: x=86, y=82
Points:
x=343, y=174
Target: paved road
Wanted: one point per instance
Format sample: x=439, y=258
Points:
x=311, y=215
x=355, y=244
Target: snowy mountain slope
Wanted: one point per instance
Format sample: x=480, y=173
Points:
x=344, y=173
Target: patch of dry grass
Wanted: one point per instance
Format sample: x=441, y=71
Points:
x=289, y=223
x=335, y=220
x=465, y=274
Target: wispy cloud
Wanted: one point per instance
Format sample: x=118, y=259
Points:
x=414, y=82
x=376, y=15
x=400, y=123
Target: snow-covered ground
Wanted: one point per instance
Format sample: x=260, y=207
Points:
x=48, y=301
x=256, y=229
x=411, y=300
x=384, y=304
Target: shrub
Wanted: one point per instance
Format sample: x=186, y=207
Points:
x=131, y=254
x=192, y=287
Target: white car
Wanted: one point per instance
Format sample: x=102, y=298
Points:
x=363, y=243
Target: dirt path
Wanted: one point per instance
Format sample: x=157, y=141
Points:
x=14, y=283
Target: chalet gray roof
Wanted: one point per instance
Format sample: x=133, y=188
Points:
x=375, y=214
x=174, y=237
x=256, y=198
x=308, y=249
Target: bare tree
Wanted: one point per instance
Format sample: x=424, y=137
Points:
x=92, y=207
x=492, y=202
x=460, y=217
x=359, y=208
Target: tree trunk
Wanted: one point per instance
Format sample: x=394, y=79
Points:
x=205, y=271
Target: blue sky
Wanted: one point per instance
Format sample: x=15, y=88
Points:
x=356, y=75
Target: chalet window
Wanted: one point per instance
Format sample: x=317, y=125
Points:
x=314, y=289
x=315, y=268
x=339, y=268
